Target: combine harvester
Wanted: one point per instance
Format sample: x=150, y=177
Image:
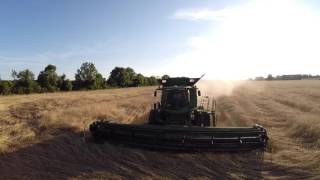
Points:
x=183, y=120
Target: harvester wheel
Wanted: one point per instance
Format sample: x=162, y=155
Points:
x=213, y=119
x=152, y=117
x=207, y=119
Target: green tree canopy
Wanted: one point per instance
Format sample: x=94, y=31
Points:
x=66, y=85
x=139, y=80
x=24, y=75
x=121, y=77
x=5, y=87
x=24, y=82
x=48, y=79
x=88, y=77
x=152, y=81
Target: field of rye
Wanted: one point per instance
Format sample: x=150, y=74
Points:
x=42, y=135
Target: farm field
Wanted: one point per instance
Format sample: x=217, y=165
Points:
x=42, y=136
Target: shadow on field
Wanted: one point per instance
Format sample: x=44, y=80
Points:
x=67, y=155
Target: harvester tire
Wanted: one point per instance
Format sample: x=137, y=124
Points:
x=207, y=120
x=213, y=119
x=152, y=117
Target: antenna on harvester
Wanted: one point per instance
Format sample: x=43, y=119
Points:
x=202, y=75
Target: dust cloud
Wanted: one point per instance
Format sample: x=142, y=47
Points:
x=218, y=88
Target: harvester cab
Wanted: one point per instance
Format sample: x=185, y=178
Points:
x=181, y=120
x=181, y=103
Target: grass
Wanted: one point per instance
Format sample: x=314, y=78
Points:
x=41, y=135
x=26, y=118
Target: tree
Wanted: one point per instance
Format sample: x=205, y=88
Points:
x=269, y=78
x=139, y=80
x=66, y=85
x=152, y=81
x=14, y=74
x=88, y=77
x=121, y=77
x=61, y=80
x=130, y=73
x=24, y=75
x=5, y=87
x=259, y=78
x=24, y=82
x=48, y=79
x=100, y=82
x=116, y=77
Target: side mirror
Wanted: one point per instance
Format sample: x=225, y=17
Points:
x=199, y=93
x=155, y=94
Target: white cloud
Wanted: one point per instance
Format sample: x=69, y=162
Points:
x=201, y=14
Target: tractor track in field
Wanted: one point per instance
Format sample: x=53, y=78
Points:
x=282, y=148
x=286, y=149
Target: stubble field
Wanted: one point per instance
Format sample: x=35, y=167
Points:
x=42, y=136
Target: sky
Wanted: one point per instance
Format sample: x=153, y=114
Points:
x=235, y=39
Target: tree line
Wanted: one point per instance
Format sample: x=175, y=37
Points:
x=87, y=77
x=287, y=77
